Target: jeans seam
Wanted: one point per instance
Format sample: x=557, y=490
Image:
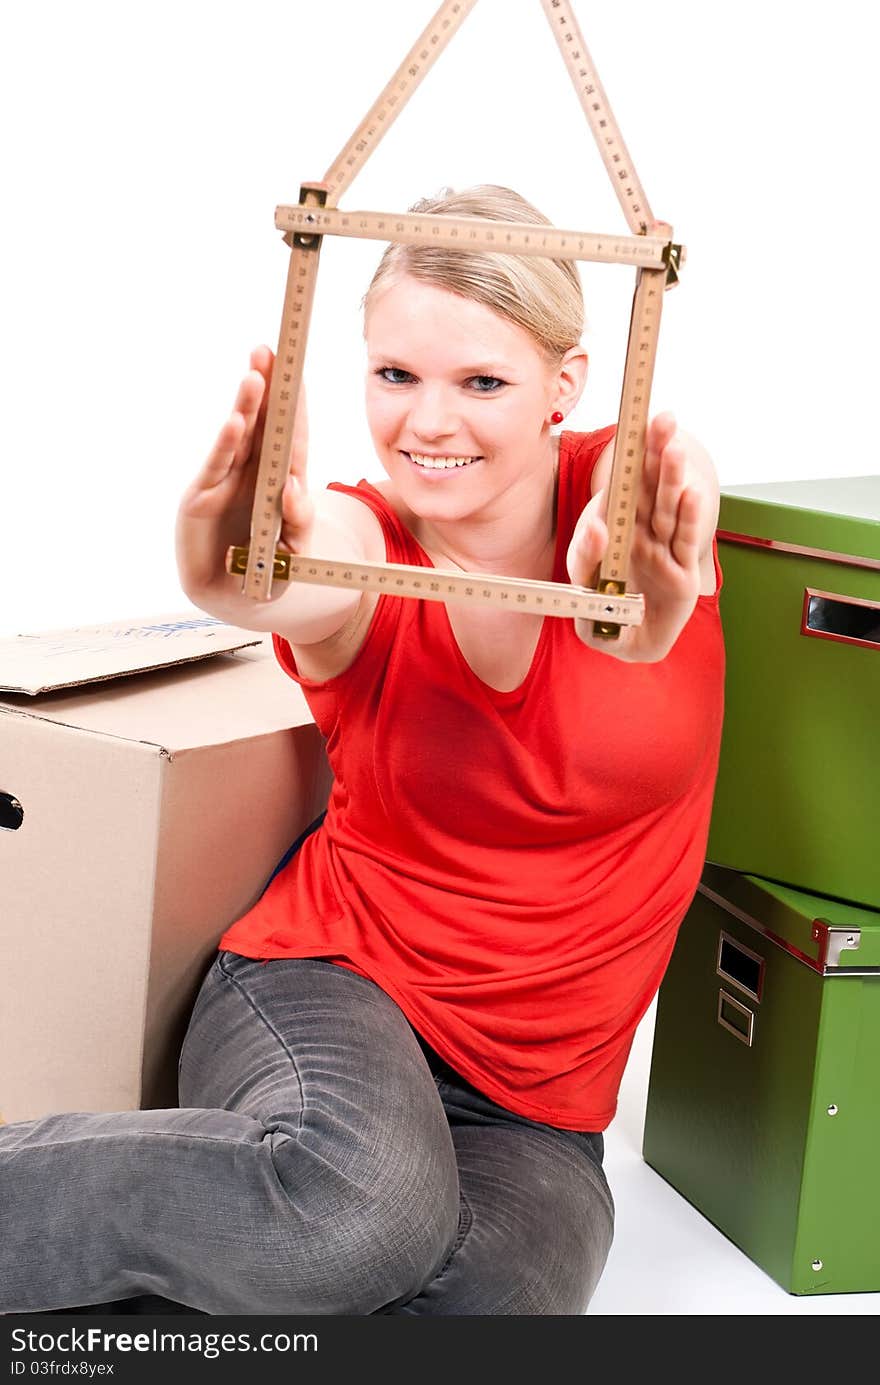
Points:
x=126, y=1136
x=273, y=1031
x=466, y=1221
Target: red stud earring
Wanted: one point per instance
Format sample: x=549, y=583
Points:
x=556, y=416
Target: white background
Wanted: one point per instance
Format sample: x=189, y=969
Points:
x=148, y=145
x=146, y=149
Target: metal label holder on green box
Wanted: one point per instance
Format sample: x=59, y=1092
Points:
x=764, y=1093
x=798, y=792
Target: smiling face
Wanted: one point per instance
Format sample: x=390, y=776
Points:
x=458, y=401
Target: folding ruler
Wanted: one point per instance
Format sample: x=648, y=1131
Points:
x=649, y=247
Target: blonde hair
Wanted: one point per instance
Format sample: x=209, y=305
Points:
x=542, y=296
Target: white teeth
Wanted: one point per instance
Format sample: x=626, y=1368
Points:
x=441, y=463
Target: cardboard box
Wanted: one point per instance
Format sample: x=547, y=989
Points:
x=762, y=1100
x=139, y=817
x=798, y=793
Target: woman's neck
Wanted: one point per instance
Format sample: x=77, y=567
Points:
x=516, y=540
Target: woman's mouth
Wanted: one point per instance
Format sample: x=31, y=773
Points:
x=423, y=462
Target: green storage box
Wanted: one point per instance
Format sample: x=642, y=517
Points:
x=798, y=792
x=764, y=1093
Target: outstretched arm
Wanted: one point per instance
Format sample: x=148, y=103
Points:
x=215, y=512
x=671, y=557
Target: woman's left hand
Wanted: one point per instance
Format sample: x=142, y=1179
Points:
x=664, y=563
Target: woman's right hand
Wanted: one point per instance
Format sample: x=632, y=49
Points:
x=215, y=510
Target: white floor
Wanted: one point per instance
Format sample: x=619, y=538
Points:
x=667, y=1259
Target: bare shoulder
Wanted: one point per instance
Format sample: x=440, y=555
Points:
x=355, y=519
x=601, y=473
x=393, y=500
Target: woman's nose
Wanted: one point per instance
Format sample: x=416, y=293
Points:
x=433, y=414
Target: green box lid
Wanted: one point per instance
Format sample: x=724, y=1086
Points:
x=813, y=927
x=835, y=515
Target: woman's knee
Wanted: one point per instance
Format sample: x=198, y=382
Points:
x=357, y=1174
x=379, y=1223
x=536, y=1230
x=323, y=1243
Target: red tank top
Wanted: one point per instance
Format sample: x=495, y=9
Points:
x=510, y=867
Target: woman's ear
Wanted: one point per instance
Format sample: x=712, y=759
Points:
x=571, y=377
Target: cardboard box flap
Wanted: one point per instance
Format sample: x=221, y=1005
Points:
x=231, y=697
x=53, y=659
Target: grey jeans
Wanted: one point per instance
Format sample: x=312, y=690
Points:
x=323, y=1159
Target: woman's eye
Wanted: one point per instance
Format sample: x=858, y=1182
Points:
x=482, y=384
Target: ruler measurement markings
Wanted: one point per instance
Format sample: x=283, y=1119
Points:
x=632, y=425
x=280, y=417
x=409, y=228
x=394, y=96
x=526, y=594
x=597, y=109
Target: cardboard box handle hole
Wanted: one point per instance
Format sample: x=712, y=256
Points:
x=11, y=812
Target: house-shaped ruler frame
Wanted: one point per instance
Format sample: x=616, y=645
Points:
x=649, y=247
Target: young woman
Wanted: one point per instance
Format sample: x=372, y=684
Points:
x=399, y=1066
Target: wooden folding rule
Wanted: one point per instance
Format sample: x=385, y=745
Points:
x=649, y=247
